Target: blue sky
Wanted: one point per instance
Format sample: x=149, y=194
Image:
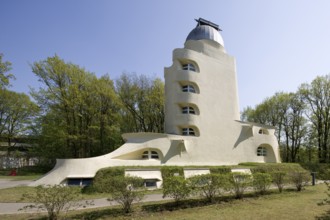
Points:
x=278, y=44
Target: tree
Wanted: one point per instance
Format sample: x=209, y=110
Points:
x=17, y=113
x=285, y=111
x=317, y=97
x=142, y=100
x=125, y=190
x=5, y=67
x=79, y=109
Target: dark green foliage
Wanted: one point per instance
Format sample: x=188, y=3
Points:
x=220, y=170
x=209, y=185
x=176, y=187
x=125, y=190
x=106, y=176
x=261, y=182
x=169, y=171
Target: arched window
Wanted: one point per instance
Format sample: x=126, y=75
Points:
x=188, y=132
x=189, y=66
x=263, y=131
x=261, y=151
x=188, y=88
x=150, y=155
x=154, y=155
x=145, y=155
x=188, y=110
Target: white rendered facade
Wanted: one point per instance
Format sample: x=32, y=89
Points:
x=202, y=125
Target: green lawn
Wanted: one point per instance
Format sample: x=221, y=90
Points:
x=288, y=205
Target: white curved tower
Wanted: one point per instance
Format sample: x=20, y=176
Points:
x=201, y=86
x=202, y=124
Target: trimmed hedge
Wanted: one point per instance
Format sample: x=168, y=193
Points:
x=220, y=170
x=169, y=171
x=103, y=177
x=276, y=167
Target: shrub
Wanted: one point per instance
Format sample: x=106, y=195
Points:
x=125, y=190
x=54, y=199
x=279, y=179
x=239, y=182
x=209, y=185
x=176, y=187
x=104, y=177
x=261, y=182
x=299, y=179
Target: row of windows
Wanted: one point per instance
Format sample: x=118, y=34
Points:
x=188, y=109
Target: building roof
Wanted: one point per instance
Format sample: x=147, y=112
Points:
x=206, y=30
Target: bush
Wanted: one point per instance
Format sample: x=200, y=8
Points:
x=54, y=199
x=279, y=179
x=299, y=179
x=125, y=190
x=261, y=182
x=239, y=182
x=176, y=187
x=104, y=177
x=209, y=185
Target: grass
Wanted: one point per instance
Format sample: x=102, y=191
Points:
x=288, y=205
x=18, y=178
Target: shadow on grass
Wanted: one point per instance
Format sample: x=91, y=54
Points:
x=99, y=214
x=325, y=216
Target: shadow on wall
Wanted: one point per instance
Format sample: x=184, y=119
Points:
x=246, y=133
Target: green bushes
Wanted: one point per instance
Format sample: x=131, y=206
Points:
x=125, y=190
x=279, y=178
x=261, y=182
x=55, y=199
x=239, y=182
x=299, y=179
x=209, y=185
x=176, y=187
